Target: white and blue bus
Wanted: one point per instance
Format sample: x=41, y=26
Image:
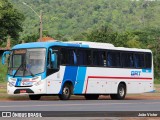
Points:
x=79, y=68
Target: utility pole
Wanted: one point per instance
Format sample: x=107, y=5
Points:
x=40, y=24
x=41, y=27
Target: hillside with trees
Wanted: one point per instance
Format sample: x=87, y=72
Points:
x=127, y=23
x=65, y=19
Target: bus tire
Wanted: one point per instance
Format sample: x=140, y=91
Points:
x=121, y=93
x=34, y=97
x=91, y=96
x=66, y=92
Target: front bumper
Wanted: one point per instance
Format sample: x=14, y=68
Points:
x=40, y=89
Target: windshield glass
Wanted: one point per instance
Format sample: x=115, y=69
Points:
x=29, y=62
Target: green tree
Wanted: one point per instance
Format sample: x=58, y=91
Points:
x=153, y=35
x=133, y=43
x=103, y=34
x=10, y=21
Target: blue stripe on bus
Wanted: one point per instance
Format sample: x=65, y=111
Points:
x=18, y=82
x=85, y=46
x=43, y=75
x=70, y=74
x=146, y=70
x=78, y=88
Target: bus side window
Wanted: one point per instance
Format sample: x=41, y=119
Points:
x=68, y=56
x=87, y=59
x=99, y=58
x=131, y=61
x=127, y=60
x=63, y=56
x=136, y=61
x=148, y=60
x=95, y=60
x=80, y=57
x=109, y=59
x=74, y=57
x=113, y=59
x=55, y=65
x=84, y=57
x=139, y=60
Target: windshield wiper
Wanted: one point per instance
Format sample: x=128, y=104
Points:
x=28, y=71
x=17, y=70
x=24, y=68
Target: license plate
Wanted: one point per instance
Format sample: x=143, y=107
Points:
x=22, y=91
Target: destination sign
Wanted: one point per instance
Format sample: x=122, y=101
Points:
x=19, y=51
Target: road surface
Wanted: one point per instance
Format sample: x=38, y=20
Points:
x=81, y=105
x=84, y=108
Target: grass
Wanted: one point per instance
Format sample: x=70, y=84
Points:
x=5, y=96
x=156, y=81
x=3, y=72
x=3, y=91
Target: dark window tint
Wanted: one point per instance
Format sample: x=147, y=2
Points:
x=148, y=60
x=99, y=58
x=68, y=56
x=127, y=60
x=84, y=57
x=113, y=59
x=139, y=60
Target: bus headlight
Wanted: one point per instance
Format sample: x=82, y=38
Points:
x=12, y=82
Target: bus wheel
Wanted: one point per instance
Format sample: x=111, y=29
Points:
x=121, y=93
x=66, y=92
x=91, y=96
x=34, y=97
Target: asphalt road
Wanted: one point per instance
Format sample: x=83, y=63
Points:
x=81, y=105
x=82, y=108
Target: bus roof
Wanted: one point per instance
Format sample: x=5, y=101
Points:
x=43, y=45
x=83, y=44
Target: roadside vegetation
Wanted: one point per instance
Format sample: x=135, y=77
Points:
x=3, y=72
x=157, y=81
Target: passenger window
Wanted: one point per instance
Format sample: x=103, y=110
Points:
x=84, y=57
x=148, y=60
x=127, y=60
x=139, y=60
x=113, y=59
x=68, y=56
x=99, y=58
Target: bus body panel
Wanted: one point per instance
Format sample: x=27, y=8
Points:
x=101, y=80
x=54, y=81
x=80, y=80
x=93, y=80
x=105, y=81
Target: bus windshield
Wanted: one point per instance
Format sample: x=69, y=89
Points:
x=27, y=62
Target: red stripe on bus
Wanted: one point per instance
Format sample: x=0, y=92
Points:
x=109, y=77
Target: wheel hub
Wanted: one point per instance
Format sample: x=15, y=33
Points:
x=66, y=91
x=121, y=92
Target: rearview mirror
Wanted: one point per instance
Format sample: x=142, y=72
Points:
x=53, y=56
x=53, y=59
x=4, y=56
